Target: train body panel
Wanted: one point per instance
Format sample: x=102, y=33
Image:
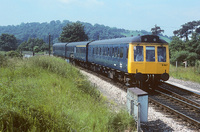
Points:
x=59, y=49
x=109, y=54
x=77, y=50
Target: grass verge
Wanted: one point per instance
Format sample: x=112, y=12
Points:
x=189, y=73
x=47, y=94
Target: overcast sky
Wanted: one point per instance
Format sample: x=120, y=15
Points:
x=127, y=14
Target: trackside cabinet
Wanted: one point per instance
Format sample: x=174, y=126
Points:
x=137, y=99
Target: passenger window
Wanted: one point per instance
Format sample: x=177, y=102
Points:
x=150, y=53
x=99, y=52
x=116, y=49
x=118, y=52
x=121, y=52
x=113, y=52
x=161, y=54
x=138, y=53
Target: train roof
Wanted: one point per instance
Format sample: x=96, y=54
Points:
x=60, y=44
x=144, y=38
x=125, y=40
x=78, y=43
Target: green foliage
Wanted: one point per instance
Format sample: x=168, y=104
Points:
x=99, y=32
x=119, y=122
x=183, y=56
x=13, y=54
x=25, y=31
x=191, y=59
x=35, y=45
x=73, y=32
x=197, y=67
x=187, y=29
x=188, y=50
x=189, y=73
x=3, y=60
x=185, y=50
x=156, y=30
x=47, y=94
x=180, y=57
x=58, y=66
x=176, y=45
x=36, y=49
x=8, y=42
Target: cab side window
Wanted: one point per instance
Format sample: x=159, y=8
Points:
x=138, y=53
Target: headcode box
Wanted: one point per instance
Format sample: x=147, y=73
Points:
x=135, y=96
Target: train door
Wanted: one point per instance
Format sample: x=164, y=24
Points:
x=122, y=58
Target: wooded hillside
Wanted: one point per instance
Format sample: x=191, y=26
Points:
x=25, y=31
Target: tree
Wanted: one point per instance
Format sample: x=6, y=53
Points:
x=187, y=29
x=179, y=56
x=34, y=45
x=8, y=42
x=176, y=45
x=156, y=30
x=73, y=32
x=185, y=50
x=192, y=57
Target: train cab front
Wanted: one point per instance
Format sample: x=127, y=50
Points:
x=149, y=61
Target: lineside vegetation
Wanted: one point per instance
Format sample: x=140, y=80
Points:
x=47, y=94
x=187, y=74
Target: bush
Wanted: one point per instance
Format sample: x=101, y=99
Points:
x=197, y=66
x=13, y=54
x=192, y=57
x=53, y=64
x=180, y=57
x=3, y=60
x=120, y=122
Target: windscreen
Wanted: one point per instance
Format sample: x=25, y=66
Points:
x=150, y=53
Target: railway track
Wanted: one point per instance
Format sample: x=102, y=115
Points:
x=188, y=95
x=179, y=102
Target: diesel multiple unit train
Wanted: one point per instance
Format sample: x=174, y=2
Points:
x=139, y=60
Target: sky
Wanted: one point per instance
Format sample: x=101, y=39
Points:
x=126, y=14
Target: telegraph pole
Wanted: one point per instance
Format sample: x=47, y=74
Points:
x=49, y=43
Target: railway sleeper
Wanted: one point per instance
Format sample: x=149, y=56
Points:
x=178, y=114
